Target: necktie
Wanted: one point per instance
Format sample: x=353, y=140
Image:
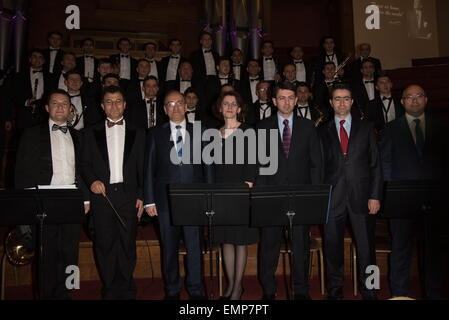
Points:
x=419, y=138
x=369, y=81
x=264, y=107
x=173, y=57
x=124, y=56
x=286, y=138
x=179, y=141
x=189, y=112
x=150, y=61
x=344, y=139
x=111, y=123
x=255, y=79
x=225, y=78
x=36, y=71
x=56, y=128
x=387, y=109
x=267, y=59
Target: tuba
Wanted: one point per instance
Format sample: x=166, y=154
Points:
x=16, y=250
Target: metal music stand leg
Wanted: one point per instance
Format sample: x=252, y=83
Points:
x=210, y=215
x=290, y=215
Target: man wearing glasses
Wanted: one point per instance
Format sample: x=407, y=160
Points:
x=415, y=147
x=163, y=166
x=352, y=166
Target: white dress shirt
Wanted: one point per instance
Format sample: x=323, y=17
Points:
x=236, y=70
x=172, y=68
x=37, y=90
x=369, y=88
x=412, y=124
x=388, y=110
x=89, y=68
x=115, y=140
x=304, y=113
x=125, y=67
x=190, y=116
x=153, y=68
x=184, y=85
x=265, y=110
x=53, y=54
x=148, y=104
x=62, y=156
x=300, y=71
x=76, y=101
x=224, y=79
x=210, y=63
x=61, y=84
x=253, y=85
x=332, y=58
x=269, y=68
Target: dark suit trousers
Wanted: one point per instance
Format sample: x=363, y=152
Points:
x=115, y=247
x=363, y=226
x=170, y=236
x=61, y=244
x=270, y=244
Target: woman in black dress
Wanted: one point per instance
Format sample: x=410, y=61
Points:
x=230, y=109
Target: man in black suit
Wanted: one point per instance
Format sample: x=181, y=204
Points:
x=238, y=69
x=48, y=155
x=94, y=88
x=162, y=170
x=419, y=22
x=263, y=108
x=352, y=166
x=28, y=92
x=303, y=69
x=356, y=65
x=415, y=147
x=87, y=64
x=113, y=170
x=304, y=107
x=84, y=111
x=193, y=108
x=135, y=87
x=299, y=162
x=127, y=63
x=323, y=86
x=53, y=54
x=68, y=63
x=223, y=77
x=270, y=66
x=289, y=74
x=150, y=50
x=364, y=89
x=249, y=82
x=384, y=108
x=329, y=53
x=170, y=64
x=148, y=111
x=204, y=60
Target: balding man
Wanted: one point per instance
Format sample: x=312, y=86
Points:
x=414, y=147
x=162, y=171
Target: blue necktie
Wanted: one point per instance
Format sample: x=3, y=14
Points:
x=179, y=141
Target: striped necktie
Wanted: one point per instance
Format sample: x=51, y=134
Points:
x=286, y=138
x=179, y=141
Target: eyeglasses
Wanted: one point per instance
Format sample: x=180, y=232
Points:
x=416, y=96
x=175, y=103
x=262, y=89
x=227, y=104
x=111, y=102
x=344, y=99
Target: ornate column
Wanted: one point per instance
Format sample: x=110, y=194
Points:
x=255, y=27
x=239, y=30
x=215, y=18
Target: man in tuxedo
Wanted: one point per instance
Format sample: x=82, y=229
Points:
x=269, y=65
x=84, y=111
x=127, y=63
x=87, y=64
x=323, y=86
x=249, y=82
x=352, y=166
x=299, y=162
x=415, y=147
x=193, y=108
x=170, y=64
x=263, y=107
x=384, y=108
x=237, y=64
x=303, y=69
x=28, y=92
x=135, y=87
x=113, y=170
x=150, y=50
x=94, y=88
x=304, y=107
x=223, y=77
x=111, y=79
x=356, y=65
x=289, y=73
x=418, y=22
x=68, y=63
x=329, y=53
x=204, y=60
x=365, y=89
x=48, y=155
x=53, y=54
x=148, y=111
x=161, y=171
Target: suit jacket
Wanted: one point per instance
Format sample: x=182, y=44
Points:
x=57, y=64
x=245, y=89
x=160, y=171
x=80, y=66
x=34, y=160
x=115, y=58
x=319, y=63
x=92, y=112
x=356, y=177
x=315, y=114
x=277, y=67
x=134, y=90
x=360, y=94
x=253, y=112
x=136, y=112
x=400, y=160
x=198, y=87
x=309, y=69
x=199, y=65
x=304, y=162
x=95, y=159
x=321, y=97
x=374, y=112
x=164, y=66
x=213, y=87
x=356, y=65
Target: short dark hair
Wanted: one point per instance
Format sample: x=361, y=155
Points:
x=123, y=39
x=104, y=61
x=74, y=71
x=110, y=75
x=235, y=49
x=150, y=78
x=57, y=91
x=265, y=42
x=35, y=50
x=288, y=64
x=190, y=90
x=253, y=60
x=238, y=99
x=56, y=33
x=368, y=60
x=84, y=41
x=69, y=53
x=383, y=74
x=113, y=89
x=202, y=33
x=303, y=84
x=340, y=86
x=221, y=59
x=142, y=59
x=148, y=44
x=328, y=63
x=285, y=85
x=173, y=40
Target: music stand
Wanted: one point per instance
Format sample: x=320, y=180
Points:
x=39, y=207
x=209, y=205
x=289, y=206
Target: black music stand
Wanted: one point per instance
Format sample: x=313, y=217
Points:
x=209, y=205
x=289, y=206
x=39, y=207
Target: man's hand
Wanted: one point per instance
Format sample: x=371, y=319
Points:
x=373, y=206
x=30, y=101
x=250, y=184
x=139, y=206
x=97, y=187
x=151, y=210
x=86, y=208
x=8, y=125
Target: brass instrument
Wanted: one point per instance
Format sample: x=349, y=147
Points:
x=340, y=67
x=320, y=118
x=16, y=251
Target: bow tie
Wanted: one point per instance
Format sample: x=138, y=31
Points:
x=89, y=57
x=225, y=78
x=186, y=81
x=369, y=81
x=150, y=60
x=51, y=49
x=385, y=98
x=62, y=128
x=36, y=71
x=150, y=100
x=124, y=56
x=236, y=65
x=206, y=51
x=192, y=111
x=299, y=62
x=111, y=123
x=266, y=59
x=330, y=56
x=264, y=104
x=76, y=95
x=173, y=57
x=255, y=79
x=306, y=107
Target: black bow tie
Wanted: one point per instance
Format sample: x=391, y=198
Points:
x=236, y=65
x=225, y=78
x=150, y=60
x=186, y=81
x=267, y=59
x=255, y=79
x=299, y=62
x=62, y=128
x=76, y=95
x=173, y=57
x=150, y=100
x=206, y=51
x=192, y=111
x=331, y=56
x=306, y=107
x=386, y=98
x=54, y=49
x=89, y=57
x=124, y=56
x=36, y=71
x=111, y=123
x=264, y=104
x=369, y=81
